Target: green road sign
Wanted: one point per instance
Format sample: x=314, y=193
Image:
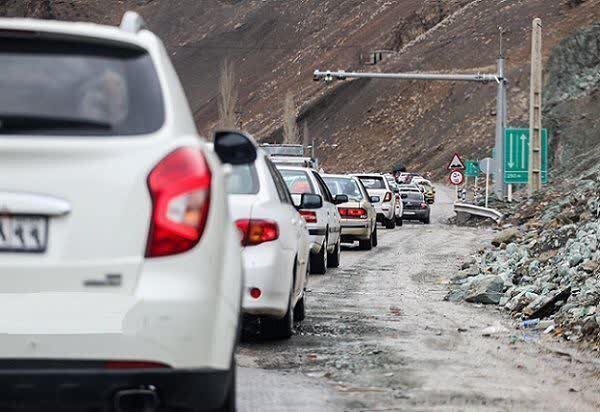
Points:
x=516, y=156
x=472, y=168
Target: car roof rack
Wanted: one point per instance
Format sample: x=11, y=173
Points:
x=132, y=22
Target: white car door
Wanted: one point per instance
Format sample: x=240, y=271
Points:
x=298, y=231
x=333, y=216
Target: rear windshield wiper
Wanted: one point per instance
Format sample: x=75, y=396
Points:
x=19, y=123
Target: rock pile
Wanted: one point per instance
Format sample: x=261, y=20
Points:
x=545, y=264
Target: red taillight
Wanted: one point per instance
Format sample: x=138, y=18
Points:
x=180, y=190
x=257, y=231
x=352, y=212
x=388, y=197
x=134, y=365
x=309, y=217
x=423, y=205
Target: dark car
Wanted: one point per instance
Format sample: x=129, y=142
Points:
x=415, y=206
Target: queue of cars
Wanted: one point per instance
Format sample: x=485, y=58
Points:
x=134, y=249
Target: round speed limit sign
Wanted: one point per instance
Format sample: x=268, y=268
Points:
x=457, y=178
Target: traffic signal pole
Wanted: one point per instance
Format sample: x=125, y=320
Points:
x=499, y=187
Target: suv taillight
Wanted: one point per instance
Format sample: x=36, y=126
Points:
x=388, y=197
x=257, y=231
x=180, y=188
x=423, y=205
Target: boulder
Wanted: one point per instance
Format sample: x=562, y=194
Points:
x=486, y=289
x=506, y=236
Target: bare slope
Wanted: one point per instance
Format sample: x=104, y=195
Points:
x=276, y=44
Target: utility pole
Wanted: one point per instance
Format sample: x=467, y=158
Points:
x=535, y=109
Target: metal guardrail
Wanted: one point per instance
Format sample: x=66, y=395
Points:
x=478, y=211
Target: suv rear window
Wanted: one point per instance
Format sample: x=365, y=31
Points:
x=73, y=87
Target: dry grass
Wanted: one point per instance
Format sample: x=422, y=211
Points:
x=290, y=127
x=228, y=96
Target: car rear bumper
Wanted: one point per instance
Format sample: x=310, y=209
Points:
x=95, y=389
x=415, y=214
x=270, y=269
x=352, y=230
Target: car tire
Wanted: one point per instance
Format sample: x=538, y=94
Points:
x=399, y=221
x=427, y=220
x=390, y=224
x=333, y=259
x=318, y=262
x=366, y=244
x=300, y=309
x=374, y=237
x=281, y=328
x=230, y=399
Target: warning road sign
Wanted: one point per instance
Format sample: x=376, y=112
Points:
x=457, y=178
x=456, y=163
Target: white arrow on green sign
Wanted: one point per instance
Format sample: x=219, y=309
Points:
x=516, y=155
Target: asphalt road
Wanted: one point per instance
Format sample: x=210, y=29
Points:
x=379, y=337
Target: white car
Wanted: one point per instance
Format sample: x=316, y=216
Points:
x=275, y=245
x=398, y=209
x=324, y=223
x=382, y=197
x=122, y=271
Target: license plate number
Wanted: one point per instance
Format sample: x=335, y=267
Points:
x=23, y=233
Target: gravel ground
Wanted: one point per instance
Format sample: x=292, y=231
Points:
x=380, y=337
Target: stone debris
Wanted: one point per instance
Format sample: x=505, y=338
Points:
x=545, y=264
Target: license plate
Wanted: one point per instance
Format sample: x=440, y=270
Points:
x=409, y=213
x=19, y=233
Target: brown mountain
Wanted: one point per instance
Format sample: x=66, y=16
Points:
x=276, y=45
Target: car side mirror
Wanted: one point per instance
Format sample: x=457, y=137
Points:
x=404, y=196
x=235, y=148
x=396, y=190
x=339, y=199
x=374, y=199
x=310, y=201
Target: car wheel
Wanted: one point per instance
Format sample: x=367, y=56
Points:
x=300, y=310
x=374, y=237
x=333, y=259
x=318, y=263
x=390, y=224
x=427, y=220
x=282, y=328
x=230, y=400
x=399, y=221
x=366, y=244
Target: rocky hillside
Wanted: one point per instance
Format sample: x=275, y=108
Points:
x=276, y=44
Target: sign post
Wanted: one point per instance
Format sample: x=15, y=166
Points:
x=487, y=164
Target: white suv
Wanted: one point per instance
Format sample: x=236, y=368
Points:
x=122, y=272
x=324, y=222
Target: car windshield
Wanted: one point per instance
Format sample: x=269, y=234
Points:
x=372, y=182
x=243, y=180
x=343, y=186
x=70, y=87
x=297, y=181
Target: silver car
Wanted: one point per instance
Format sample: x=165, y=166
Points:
x=359, y=218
